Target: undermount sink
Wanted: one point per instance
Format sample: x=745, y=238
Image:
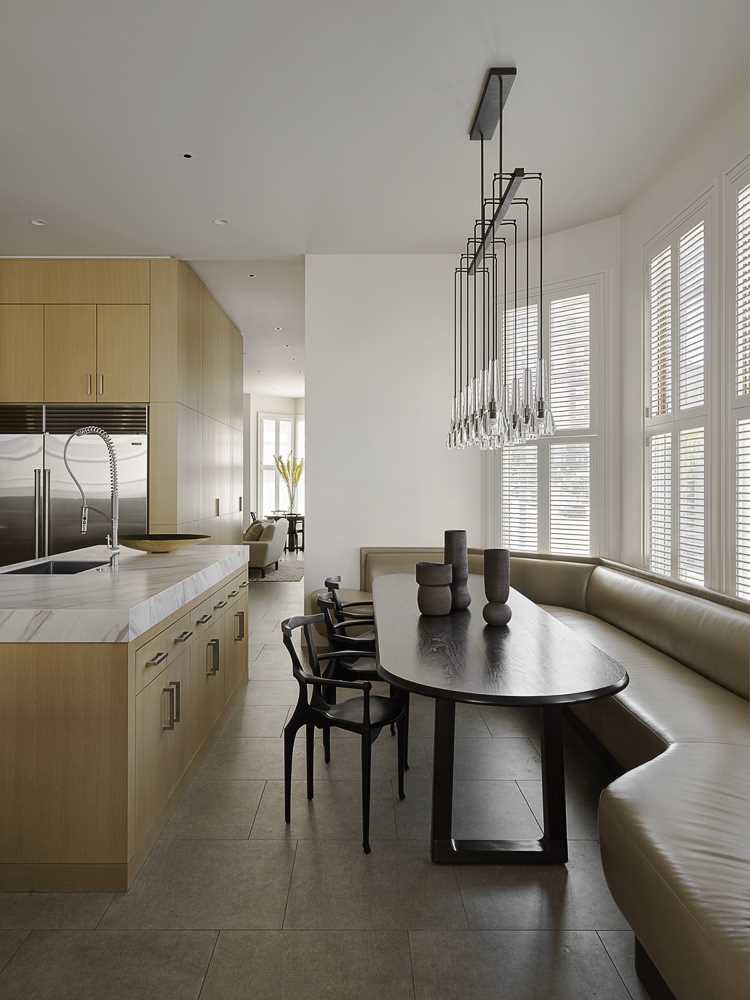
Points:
x=56, y=567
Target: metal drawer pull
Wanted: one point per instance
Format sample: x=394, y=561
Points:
x=221, y=604
x=233, y=593
x=169, y=724
x=88, y=384
x=203, y=619
x=212, y=657
x=183, y=636
x=177, y=699
x=158, y=659
x=239, y=632
x=244, y=583
x=101, y=385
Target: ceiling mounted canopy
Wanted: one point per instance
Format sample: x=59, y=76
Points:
x=500, y=392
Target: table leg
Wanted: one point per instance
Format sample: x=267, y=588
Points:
x=551, y=848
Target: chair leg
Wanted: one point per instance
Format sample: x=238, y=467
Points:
x=327, y=743
x=289, y=737
x=310, y=752
x=406, y=732
x=402, y=732
x=277, y=564
x=263, y=572
x=366, y=762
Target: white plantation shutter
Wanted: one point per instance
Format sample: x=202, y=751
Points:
x=691, y=280
x=570, y=498
x=570, y=362
x=691, y=505
x=660, y=329
x=743, y=292
x=527, y=326
x=660, y=504
x=742, y=500
x=520, y=505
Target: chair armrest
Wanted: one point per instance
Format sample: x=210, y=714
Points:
x=330, y=682
x=341, y=653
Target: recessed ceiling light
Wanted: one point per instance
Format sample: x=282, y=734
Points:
x=38, y=222
x=278, y=329
x=221, y=222
x=188, y=156
x=251, y=275
x=294, y=359
x=286, y=345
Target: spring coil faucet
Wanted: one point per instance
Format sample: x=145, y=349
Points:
x=113, y=538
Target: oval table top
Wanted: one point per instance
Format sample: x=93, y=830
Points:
x=534, y=660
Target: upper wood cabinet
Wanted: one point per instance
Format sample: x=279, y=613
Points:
x=74, y=282
x=21, y=354
x=122, y=354
x=70, y=354
x=96, y=354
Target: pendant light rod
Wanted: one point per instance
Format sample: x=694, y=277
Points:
x=504, y=206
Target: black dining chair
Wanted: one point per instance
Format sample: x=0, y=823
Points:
x=365, y=715
x=346, y=609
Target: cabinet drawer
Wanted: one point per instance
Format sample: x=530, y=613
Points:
x=156, y=655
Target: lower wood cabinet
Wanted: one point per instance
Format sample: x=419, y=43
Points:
x=96, y=742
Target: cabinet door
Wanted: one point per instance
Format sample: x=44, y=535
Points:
x=69, y=354
x=237, y=647
x=122, y=354
x=21, y=354
x=207, y=666
x=160, y=743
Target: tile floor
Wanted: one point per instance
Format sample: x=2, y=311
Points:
x=234, y=904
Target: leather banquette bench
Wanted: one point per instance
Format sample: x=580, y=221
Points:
x=674, y=829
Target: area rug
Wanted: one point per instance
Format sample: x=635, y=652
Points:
x=288, y=572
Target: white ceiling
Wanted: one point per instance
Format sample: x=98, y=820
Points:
x=274, y=297
x=334, y=125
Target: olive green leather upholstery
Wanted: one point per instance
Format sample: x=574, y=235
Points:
x=675, y=828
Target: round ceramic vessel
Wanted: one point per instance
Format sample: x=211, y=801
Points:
x=434, y=600
x=496, y=614
x=434, y=574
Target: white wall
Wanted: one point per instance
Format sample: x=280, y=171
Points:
x=378, y=386
x=697, y=169
x=253, y=405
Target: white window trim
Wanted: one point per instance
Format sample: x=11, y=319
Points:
x=705, y=208
x=269, y=415
x=733, y=407
x=595, y=285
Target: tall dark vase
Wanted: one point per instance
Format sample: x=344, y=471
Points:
x=497, y=586
x=457, y=555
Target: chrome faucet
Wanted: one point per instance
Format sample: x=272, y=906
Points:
x=112, y=539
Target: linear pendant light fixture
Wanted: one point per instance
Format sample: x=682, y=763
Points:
x=500, y=393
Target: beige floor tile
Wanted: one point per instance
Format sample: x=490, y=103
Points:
x=52, y=910
x=200, y=884
x=511, y=758
x=221, y=810
x=108, y=965
x=10, y=942
x=507, y=720
x=243, y=759
x=306, y=965
x=335, y=812
x=542, y=897
x=512, y=965
x=581, y=800
x=396, y=887
x=253, y=721
x=620, y=947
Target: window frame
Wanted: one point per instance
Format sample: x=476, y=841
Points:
x=703, y=209
x=595, y=286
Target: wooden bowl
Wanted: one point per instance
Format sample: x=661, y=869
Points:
x=160, y=544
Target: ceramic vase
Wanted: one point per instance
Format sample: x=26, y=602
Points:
x=456, y=554
x=497, y=586
x=434, y=591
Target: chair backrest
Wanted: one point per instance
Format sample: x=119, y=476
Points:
x=332, y=584
x=329, y=610
x=307, y=623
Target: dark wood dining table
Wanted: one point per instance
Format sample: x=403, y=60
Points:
x=534, y=660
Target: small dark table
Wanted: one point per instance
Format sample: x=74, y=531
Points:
x=535, y=660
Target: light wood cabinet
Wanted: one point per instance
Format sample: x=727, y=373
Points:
x=21, y=353
x=122, y=354
x=72, y=282
x=70, y=353
x=236, y=642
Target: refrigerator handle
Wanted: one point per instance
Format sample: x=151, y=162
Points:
x=37, y=509
x=46, y=510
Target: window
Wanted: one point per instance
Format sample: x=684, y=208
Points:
x=275, y=438
x=547, y=485
x=740, y=415
x=675, y=416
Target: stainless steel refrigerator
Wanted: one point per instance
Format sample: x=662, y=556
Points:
x=40, y=507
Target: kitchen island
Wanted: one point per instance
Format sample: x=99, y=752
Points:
x=110, y=683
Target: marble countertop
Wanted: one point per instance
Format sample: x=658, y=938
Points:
x=100, y=605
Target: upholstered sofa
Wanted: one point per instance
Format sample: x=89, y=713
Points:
x=675, y=827
x=265, y=542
